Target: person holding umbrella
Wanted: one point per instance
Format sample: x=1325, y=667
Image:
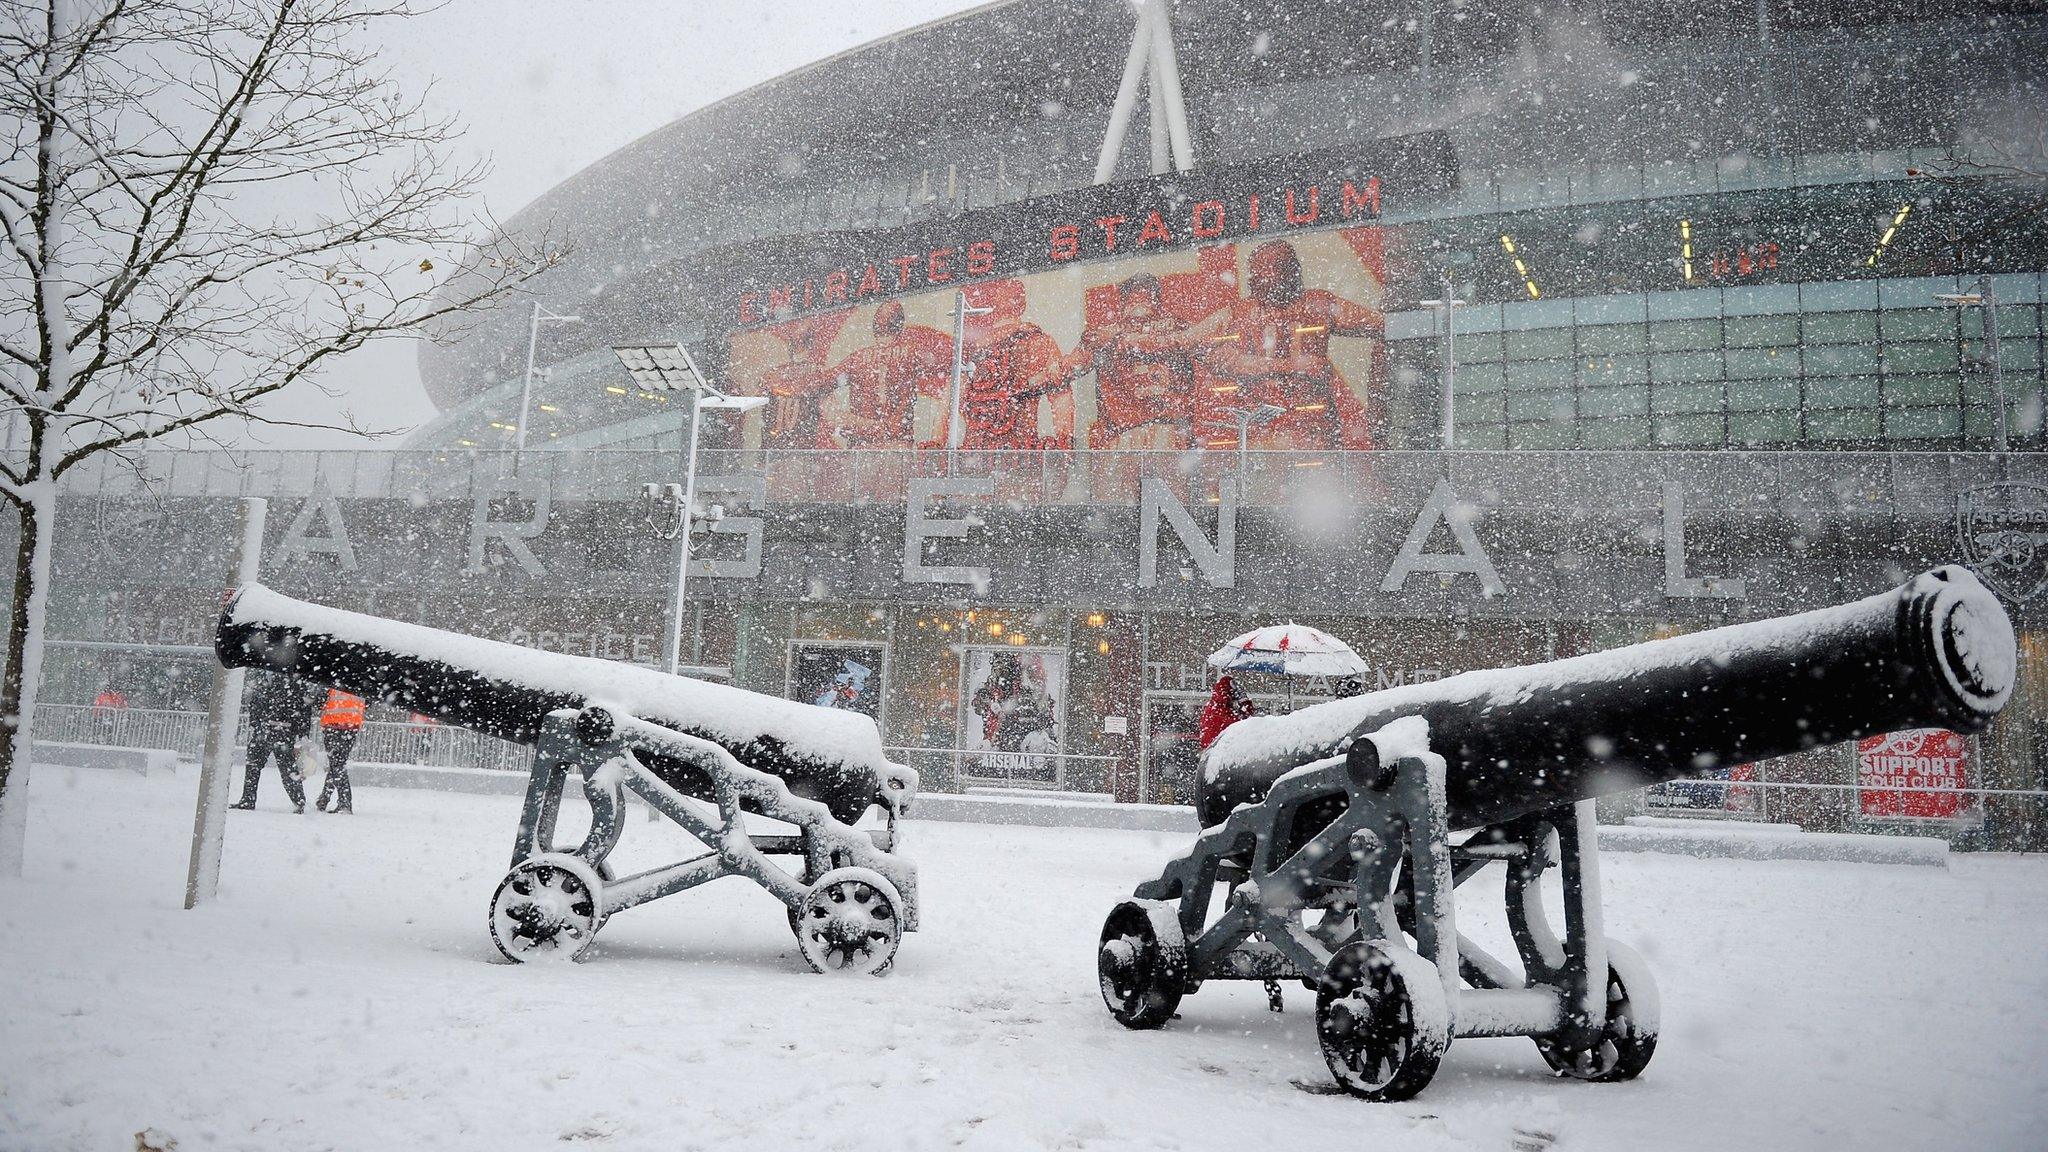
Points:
x=1291, y=650
x=1227, y=705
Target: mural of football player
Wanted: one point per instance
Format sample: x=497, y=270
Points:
x=1015, y=368
x=883, y=381
x=1275, y=344
x=796, y=388
x=1144, y=373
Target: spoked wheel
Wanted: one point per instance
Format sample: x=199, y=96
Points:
x=1630, y=1036
x=547, y=908
x=850, y=921
x=1381, y=1020
x=1142, y=963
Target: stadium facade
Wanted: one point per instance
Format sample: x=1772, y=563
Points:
x=1701, y=372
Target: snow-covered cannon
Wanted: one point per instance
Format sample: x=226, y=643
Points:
x=670, y=740
x=1332, y=829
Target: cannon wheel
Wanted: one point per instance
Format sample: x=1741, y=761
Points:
x=547, y=908
x=1630, y=1037
x=1382, y=1020
x=850, y=921
x=1142, y=963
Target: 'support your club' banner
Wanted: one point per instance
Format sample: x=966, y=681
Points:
x=1916, y=758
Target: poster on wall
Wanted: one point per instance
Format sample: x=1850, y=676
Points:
x=1012, y=700
x=1915, y=758
x=837, y=675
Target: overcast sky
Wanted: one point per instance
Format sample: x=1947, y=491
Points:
x=548, y=87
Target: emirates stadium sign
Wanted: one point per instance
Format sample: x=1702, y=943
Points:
x=1147, y=316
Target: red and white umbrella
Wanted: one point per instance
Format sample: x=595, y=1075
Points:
x=1290, y=650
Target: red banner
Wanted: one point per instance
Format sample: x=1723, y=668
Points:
x=1916, y=758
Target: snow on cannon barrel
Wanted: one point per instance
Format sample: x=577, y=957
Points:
x=1936, y=652
x=1329, y=833
x=670, y=740
x=507, y=691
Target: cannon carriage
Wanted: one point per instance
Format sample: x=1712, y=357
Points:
x=1334, y=838
x=706, y=756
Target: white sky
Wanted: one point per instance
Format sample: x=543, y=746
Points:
x=548, y=87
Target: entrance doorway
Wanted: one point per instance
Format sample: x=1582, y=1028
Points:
x=1166, y=769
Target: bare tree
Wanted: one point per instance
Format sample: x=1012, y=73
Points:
x=201, y=202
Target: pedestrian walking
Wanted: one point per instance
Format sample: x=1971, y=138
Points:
x=341, y=721
x=280, y=710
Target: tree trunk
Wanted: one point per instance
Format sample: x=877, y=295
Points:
x=24, y=669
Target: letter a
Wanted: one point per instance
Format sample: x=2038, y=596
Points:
x=1443, y=507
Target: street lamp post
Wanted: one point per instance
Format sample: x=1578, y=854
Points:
x=1246, y=419
x=954, y=429
x=665, y=368
x=1987, y=299
x=1447, y=306
x=540, y=314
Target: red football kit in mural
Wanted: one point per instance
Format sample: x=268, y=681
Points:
x=1015, y=365
x=794, y=390
x=1144, y=376
x=1275, y=345
x=884, y=379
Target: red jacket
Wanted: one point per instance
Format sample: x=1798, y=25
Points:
x=1226, y=706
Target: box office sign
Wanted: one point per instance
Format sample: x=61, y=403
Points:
x=1914, y=759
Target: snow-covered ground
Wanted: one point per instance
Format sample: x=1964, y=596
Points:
x=343, y=993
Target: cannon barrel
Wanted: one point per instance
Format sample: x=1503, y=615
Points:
x=504, y=690
x=1936, y=652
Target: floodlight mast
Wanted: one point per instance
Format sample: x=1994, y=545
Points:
x=671, y=367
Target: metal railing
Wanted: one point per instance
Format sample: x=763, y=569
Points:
x=1877, y=481
x=381, y=742
x=2000, y=819
x=180, y=732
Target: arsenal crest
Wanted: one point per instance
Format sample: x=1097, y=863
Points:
x=2002, y=530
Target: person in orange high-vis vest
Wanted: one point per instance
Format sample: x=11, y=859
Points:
x=341, y=721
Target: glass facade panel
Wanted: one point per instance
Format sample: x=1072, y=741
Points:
x=1922, y=423
x=1484, y=406
x=1841, y=360
x=1540, y=374
x=1595, y=402
x=1555, y=406
x=1750, y=331
x=1476, y=377
x=1539, y=344
x=1763, y=427
x=1845, y=392
x=1604, y=370
x=1615, y=433
x=1478, y=346
x=1744, y=363
x=1848, y=424
x=1840, y=327
x=1920, y=324
x=1679, y=335
x=1561, y=434
x=1680, y=367
x=1918, y=391
x=1758, y=395
x=1919, y=357
x=1690, y=431
x=1610, y=339
x=1687, y=398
